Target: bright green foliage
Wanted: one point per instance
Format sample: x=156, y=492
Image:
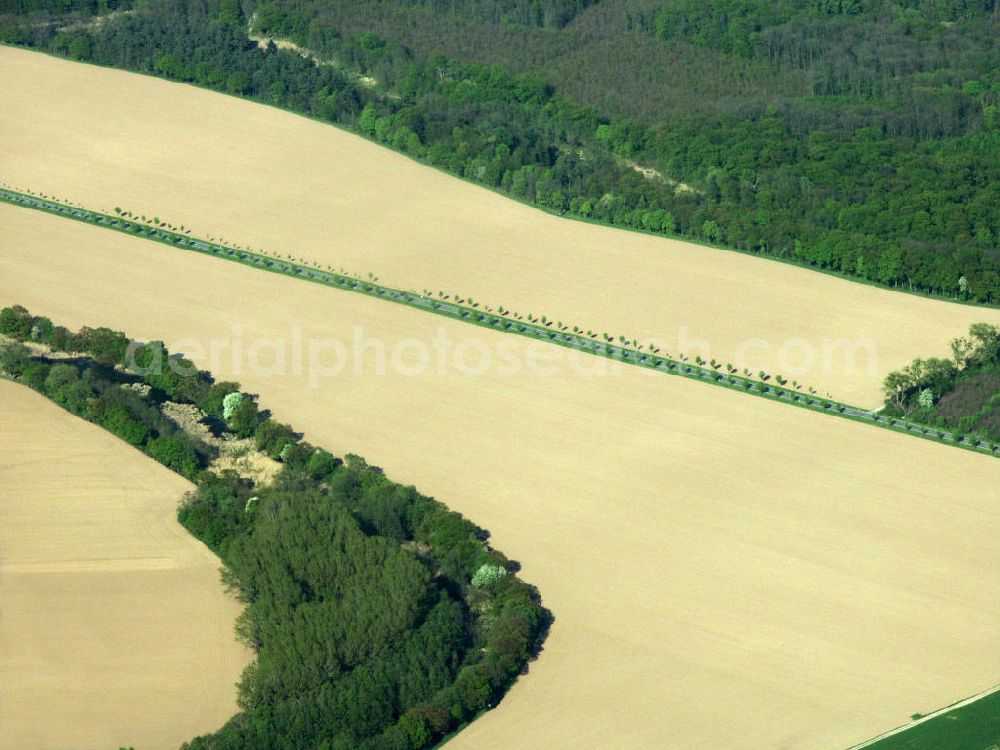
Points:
x=926, y=398
x=60, y=376
x=487, y=574
x=229, y=403
x=214, y=402
x=902, y=386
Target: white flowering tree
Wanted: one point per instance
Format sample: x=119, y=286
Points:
x=487, y=574
x=963, y=286
x=229, y=404
x=926, y=398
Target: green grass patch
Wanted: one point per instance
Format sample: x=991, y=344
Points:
x=975, y=726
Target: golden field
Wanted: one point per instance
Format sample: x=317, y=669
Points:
x=114, y=627
x=263, y=177
x=724, y=571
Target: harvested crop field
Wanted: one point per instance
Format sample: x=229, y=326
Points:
x=724, y=571
x=114, y=626
x=272, y=180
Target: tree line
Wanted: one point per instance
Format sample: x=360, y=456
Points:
x=380, y=619
x=960, y=394
x=91, y=387
x=885, y=171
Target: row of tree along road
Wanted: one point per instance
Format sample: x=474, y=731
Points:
x=501, y=319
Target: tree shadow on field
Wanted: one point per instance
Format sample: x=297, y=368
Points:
x=545, y=626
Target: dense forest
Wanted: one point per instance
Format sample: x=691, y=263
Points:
x=855, y=136
x=380, y=619
x=960, y=394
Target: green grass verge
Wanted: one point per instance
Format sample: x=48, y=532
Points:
x=975, y=726
x=473, y=315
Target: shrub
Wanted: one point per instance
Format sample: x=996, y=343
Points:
x=274, y=438
x=34, y=374
x=107, y=347
x=15, y=322
x=414, y=728
x=321, y=464
x=175, y=453
x=64, y=386
x=42, y=330
x=245, y=418
x=60, y=376
x=213, y=403
x=62, y=340
x=178, y=378
x=472, y=688
x=14, y=358
x=115, y=418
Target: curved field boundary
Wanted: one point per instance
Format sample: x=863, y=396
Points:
x=495, y=321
